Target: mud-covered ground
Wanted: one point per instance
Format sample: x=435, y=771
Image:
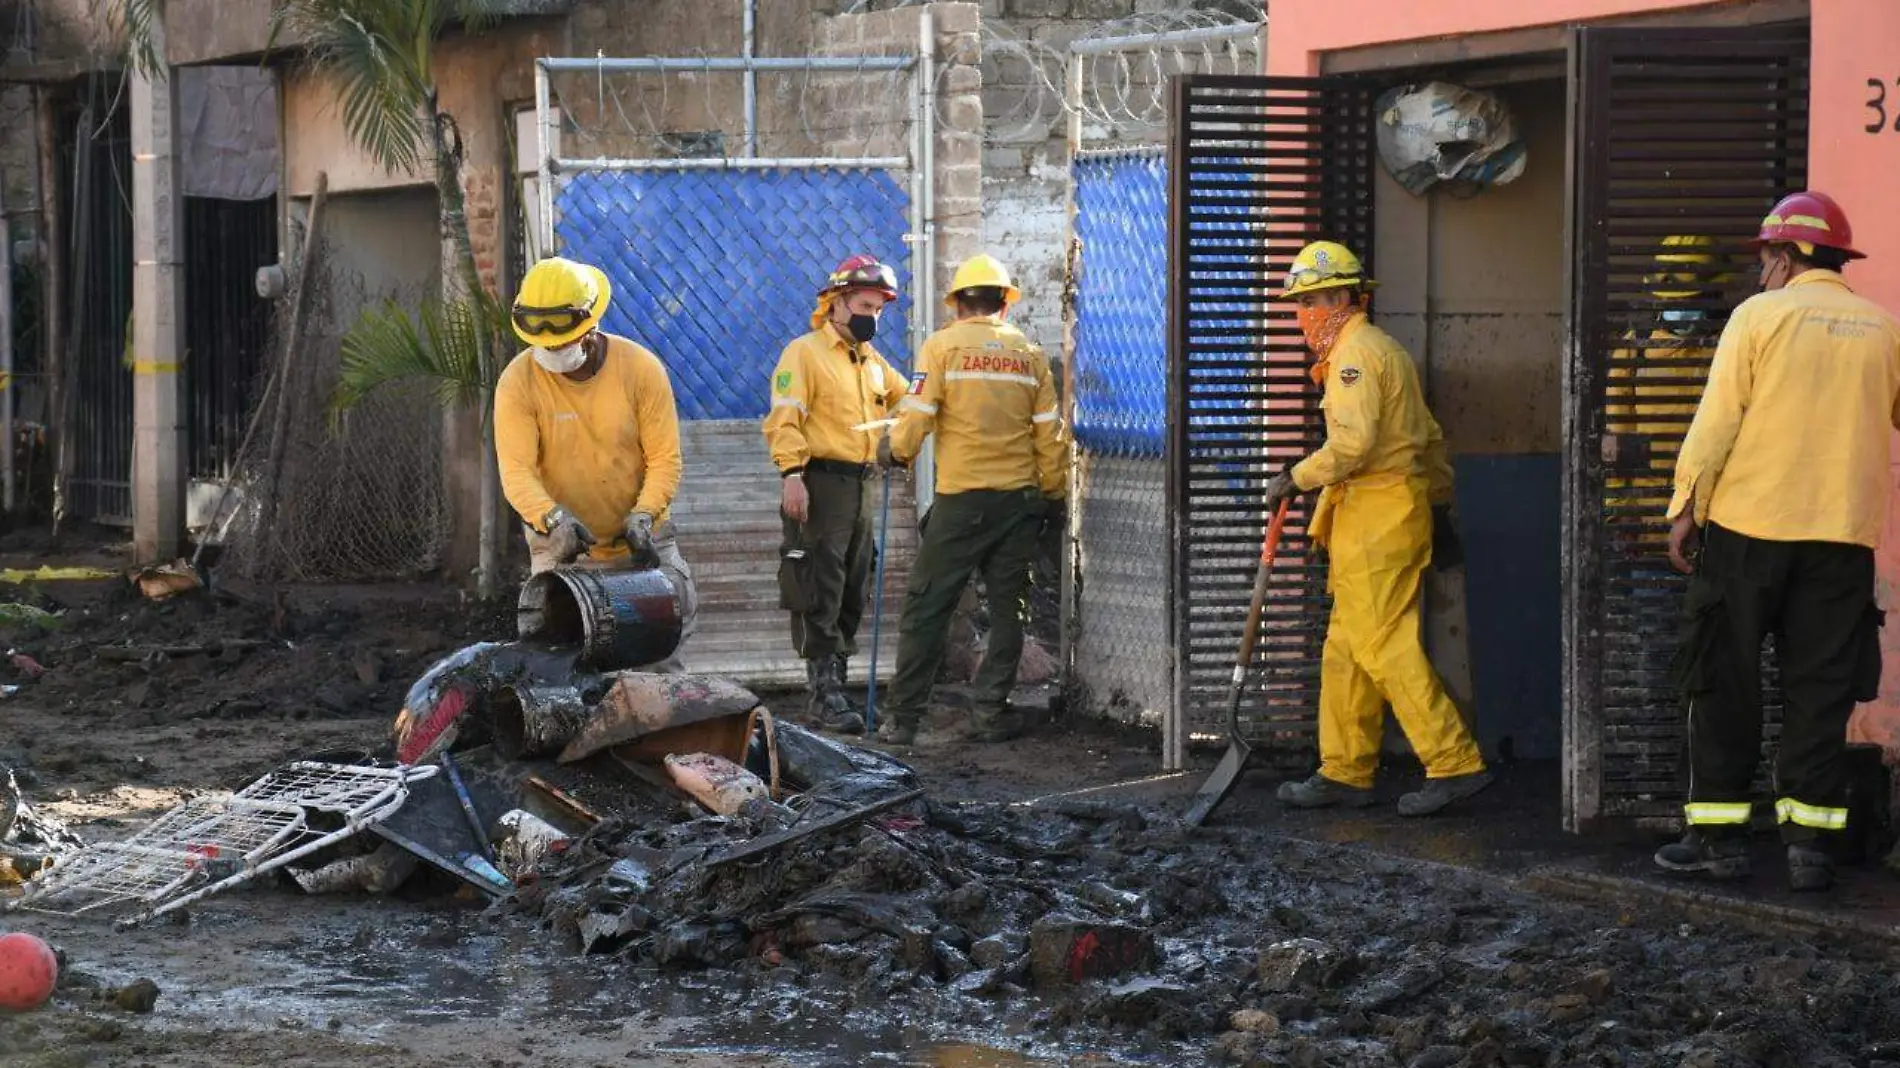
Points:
x=1276, y=940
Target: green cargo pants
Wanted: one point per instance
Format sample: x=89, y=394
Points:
x=825, y=562
x=987, y=531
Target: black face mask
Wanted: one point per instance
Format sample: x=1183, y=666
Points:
x=862, y=327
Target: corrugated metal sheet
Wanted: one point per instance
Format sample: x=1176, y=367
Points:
x=729, y=530
x=1691, y=132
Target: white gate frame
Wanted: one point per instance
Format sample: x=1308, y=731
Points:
x=1174, y=734
x=917, y=164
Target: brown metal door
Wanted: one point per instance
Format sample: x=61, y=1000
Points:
x=1684, y=139
x=1258, y=167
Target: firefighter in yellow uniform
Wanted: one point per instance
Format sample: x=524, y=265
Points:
x=588, y=438
x=1383, y=473
x=987, y=393
x=1781, y=493
x=829, y=385
x=1653, y=387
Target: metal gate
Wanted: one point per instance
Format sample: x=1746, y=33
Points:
x=1689, y=133
x=715, y=259
x=1258, y=167
x=96, y=430
x=227, y=328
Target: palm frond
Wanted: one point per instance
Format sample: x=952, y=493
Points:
x=380, y=53
x=139, y=19
x=444, y=346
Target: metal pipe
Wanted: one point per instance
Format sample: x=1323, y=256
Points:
x=723, y=164
x=543, y=163
x=1072, y=529
x=926, y=485
x=726, y=64
x=7, y=391
x=1201, y=35
x=751, y=82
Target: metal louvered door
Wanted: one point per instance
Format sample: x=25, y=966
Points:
x=1685, y=139
x=1258, y=167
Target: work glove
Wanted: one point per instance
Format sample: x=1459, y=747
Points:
x=1279, y=488
x=640, y=540
x=568, y=537
x=884, y=458
x=1448, y=552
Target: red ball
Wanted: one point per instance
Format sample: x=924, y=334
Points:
x=28, y=972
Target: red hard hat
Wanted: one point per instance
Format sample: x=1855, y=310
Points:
x=862, y=271
x=1809, y=218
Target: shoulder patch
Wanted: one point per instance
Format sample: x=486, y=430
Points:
x=782, y=382
x=917, y=384
x=1349, y=376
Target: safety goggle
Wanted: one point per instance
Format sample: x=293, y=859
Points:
x=549, y=320
x=1306, y=276
x=871, y=274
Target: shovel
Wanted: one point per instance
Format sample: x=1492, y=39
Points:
x=1227, y=772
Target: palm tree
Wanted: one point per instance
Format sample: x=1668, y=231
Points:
x=380, y=54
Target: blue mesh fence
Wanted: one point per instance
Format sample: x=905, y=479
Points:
x=1121, y=304
x=715, y=270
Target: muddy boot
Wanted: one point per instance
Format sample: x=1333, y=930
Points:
x=1441, y=792
x=1809, y=868
x=830, y=709
x=1322, y=792
x=1718, y=857
x=892, y=732
x=996, y=725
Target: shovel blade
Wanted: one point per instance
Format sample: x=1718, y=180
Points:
x=1220, y=783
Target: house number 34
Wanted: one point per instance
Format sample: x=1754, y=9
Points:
x=1878, y=105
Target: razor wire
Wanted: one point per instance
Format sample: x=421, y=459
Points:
x=357, y=495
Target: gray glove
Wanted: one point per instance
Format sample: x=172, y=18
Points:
x=568, y=537
x=640, y=540
x=1279, y=488
x=884, y=458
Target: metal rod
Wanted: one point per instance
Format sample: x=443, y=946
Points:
x=7, y=390
x=723, y=164
x=751, y=81
x=926, y=467
x=725, y=64
x=543, y=163
x=1068, y=562
x=1201, y=35
x=877, y=606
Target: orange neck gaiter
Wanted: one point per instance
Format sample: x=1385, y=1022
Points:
x=1321, y=327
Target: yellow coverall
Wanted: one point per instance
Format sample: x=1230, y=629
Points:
x=603, y=448
x=1652, y=392
x=1382, y=468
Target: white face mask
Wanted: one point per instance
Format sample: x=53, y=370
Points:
x=561, y=361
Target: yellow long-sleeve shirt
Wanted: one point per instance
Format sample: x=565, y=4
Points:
x=987, y=392
x=1651, y=394
x=1376, y=419
x=819, y=393
x=1790, y=440
x=602, y=448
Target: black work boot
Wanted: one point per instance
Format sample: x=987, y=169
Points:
x=1322, y=792
x=1809, y=867
x=830, y=709
x=1441, y=792
x=1718, y=857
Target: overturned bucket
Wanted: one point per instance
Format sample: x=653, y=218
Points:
x=617, y=619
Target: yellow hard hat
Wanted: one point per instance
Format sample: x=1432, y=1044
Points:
x=1324, y=265
x=1679, y=260
x=560, y=302
x=979, y=271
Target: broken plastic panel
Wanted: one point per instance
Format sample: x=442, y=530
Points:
x=205, y=845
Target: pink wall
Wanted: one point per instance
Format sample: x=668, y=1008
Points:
x=1853, y=42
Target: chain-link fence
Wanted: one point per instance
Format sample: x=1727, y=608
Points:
x=353, y=496
x=1120, y=655
x=1116, y=104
